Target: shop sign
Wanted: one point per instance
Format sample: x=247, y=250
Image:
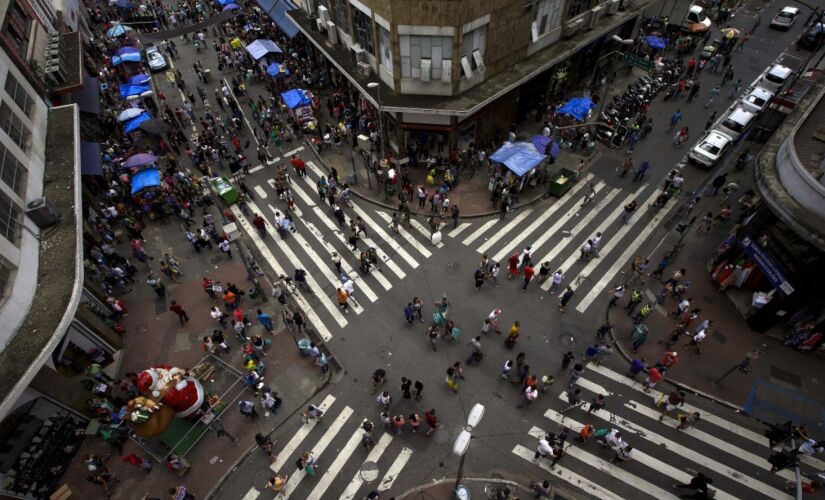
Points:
x=768, y=266
x=639, y=62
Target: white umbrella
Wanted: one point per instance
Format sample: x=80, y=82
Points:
x=129, y=113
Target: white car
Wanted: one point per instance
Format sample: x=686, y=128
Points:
x=710, y=148
x=155, y=59
x=757, y=99
x=785, y=19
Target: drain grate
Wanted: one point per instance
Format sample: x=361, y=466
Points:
x=786, y=376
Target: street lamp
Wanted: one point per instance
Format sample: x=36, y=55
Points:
x=376, y=85
x=462, y=443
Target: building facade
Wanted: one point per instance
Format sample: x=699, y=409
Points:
x=448, y=66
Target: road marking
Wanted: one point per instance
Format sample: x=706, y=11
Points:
x=260, y=192
x=335, y=467
x=238, y=103
x=638, y=238
x=502, y=232
x=567, y=475
x=761, y=462
x=256, y=169
x=595, y=211
x=395, y=469
x=606, y=222
x=377, y=229
x=706, y=417
x=460, y=229
x=299, y=436
x=313, y=318
x=374, y=455
x=317, y=450
x=425, y=232
x=297, y=150
x=325, y=300
x=478, y=232
x=541, y=219
x=678, y=449
x=611, y=469
x=407, y=236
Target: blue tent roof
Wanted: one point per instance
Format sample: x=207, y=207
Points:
x=132, y=124
x=278, y=14
x=295, y=98
x=655, y=42
x=130, y=90
x=260, y=48
x=520, y=157
x=276, y=69
x=578, y=107
x=140, y=79
x=148, y=177
x=540, y=142
x=127, y=57
x=127, y=50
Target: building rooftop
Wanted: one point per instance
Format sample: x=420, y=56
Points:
x=477, y=97
x=60, y=273
x=73, y=53
x=809, y=140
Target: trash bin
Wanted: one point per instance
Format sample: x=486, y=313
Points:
x=561, y=182
x=253, y=292
x=303, y=346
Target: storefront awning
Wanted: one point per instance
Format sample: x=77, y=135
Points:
x=266, y=5
x=278, y=14
x=90, y=160
x=88, y=98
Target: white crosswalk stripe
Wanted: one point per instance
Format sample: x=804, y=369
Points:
x=504, y=231
x=336, y=465
x=425, y=232
x=395, y=469
x=458, y=230
x=377, y=229
x=481, y=230
x=407, y=236
x=299, y=436
x=374, y=456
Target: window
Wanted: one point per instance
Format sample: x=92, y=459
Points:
x=12, y=171
x=5, y=278
x=474, y=43
x=577, y=7
x=386, y=48
x=13, y=126
x=548, y=16
x=414, y=48
x=17, y=27
x=339, y=15
x=22, y=98
x=9, y=219
x=363, y=30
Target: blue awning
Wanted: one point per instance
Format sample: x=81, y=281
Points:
x=278, y=14
x=90, y=161
x=149, y=177
x=88, y=98
x=519, y=157
x=266, y=5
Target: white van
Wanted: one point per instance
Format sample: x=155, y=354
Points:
x=775, y=78
x=737, y=122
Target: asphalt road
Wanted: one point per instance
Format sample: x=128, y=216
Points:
x=726, y=445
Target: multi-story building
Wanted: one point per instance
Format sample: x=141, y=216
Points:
x=461, y=68
x=51, y=327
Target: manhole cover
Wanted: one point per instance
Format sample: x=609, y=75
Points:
x=453, y=267
x=567, y=340
x=368, y=472
x=384, y=352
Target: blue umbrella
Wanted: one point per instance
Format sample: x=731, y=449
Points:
x=276, y=69
x=124, y=4
x=578, y=107
x=231, y=6
x=139, y=79
x=224, y=2
x=128, y=50
x=134, y=122
x=127, y=57
x=117, y=30
x=655, y=42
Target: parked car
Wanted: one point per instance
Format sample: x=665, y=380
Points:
x=775, y=78
x=737, y=122
x=155, y=59
x=812, y=38
x=757, y=99
x=710, y=148
x=785, y=19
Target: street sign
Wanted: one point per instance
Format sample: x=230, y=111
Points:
x=639, y=62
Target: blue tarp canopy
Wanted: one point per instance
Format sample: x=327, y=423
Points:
x=655, y=42
x=540, y=142
x=276, y=69
x=260, y=48
x=295, y=98
x=149, y=177
x=127, y=91
x=127, y=57
x=139, y=79
x=278, y=14
x=520, y=157
x=578, y=107
x=132, y=124
x=127, y=50
x=224, y=2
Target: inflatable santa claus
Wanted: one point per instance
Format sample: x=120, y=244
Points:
x=174, y=387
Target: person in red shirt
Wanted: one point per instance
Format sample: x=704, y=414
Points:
x=432, y=421
x=512, y=265
x=528, y=276
x=260, y=224
x=177, y=309
x=653, y=377
x=668, y=360
x=300, y=166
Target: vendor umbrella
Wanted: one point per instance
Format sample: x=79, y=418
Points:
x=231, y=6
x=276, y=69
x=128, y=114
x=117, y=30
x=135, y=122
x=154, y=126
x=139, y=159
x=128, y=50
x=139, y=79
x=655, y=42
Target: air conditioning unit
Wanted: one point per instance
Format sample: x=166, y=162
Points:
x=534, y=31
x=611, y=7
x=595, y=14
x=360, y=54
x=364, y=69
x=332, y=33
x=447, y=70
x=426, y=67
x=573, y=27
x=465, y=65
x=56, y=75
x=323, y=14
x=479, y=61
x=320, y=24
x=42, y=213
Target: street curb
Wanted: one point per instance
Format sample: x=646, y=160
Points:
x=676, y=383
x=381, y=204
x=435, y=482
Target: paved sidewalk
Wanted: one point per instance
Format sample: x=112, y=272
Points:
x=155, y=337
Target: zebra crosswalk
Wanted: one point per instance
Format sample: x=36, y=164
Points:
x=340, y=430
x=731, y=454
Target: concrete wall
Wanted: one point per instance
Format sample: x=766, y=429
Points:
x=798, y=181
x=24, y=255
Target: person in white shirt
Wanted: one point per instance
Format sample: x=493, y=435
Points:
x=544, y=449
x=493, y=317
x=556, y=280
x=225, y=248
x=594, y=245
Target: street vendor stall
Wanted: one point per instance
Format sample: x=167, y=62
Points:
x=299, y=105
x=223, y=187
x=521, y=158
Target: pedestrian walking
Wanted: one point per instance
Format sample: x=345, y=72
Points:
x=475, y=351
x=575, y=374
x=556, y=281
x=565, y=298
x=628, y=211
x=714, y=93
x=225, y=248
x=528, y=276
x=418, y=391
x=641, y=170
x=265, y=320
x=617, y=293
x=178, y=309
x=432, y=421
x=639, y=336
x=566, y=359
x=342, y=300
x=710, y=121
